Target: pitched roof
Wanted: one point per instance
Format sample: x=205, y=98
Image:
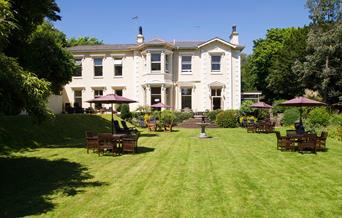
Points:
x=93, y=48
x=187, y=44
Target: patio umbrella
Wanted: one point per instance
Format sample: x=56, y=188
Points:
x=301, y=102
x=160, y=105
x=112, y=99
x=261, y=105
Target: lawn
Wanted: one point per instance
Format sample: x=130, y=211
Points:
x=174, y=175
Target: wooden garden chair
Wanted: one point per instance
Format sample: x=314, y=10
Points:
x=321, y=141
x=283, y=142
x=92, y=141
x=130, y=144
x=106, y=143
x=309, y=144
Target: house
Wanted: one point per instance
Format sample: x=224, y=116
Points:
x=196, y=75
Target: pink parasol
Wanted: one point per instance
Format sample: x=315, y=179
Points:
x=300, y=102
x=261, y=105
x=112, y=99
x=160, y=105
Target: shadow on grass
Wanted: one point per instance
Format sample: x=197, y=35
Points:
x=20, y=133
x=143, y=149
x=148, y=135
x=26, y=184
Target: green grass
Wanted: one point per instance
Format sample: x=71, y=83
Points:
x=233, y=174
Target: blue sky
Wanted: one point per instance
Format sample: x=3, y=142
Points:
x=111, y=20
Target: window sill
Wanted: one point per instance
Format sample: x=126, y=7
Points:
x=216, y=72
x=98, y=77
x=77, y=77
x=118, y=77
x=186, y=73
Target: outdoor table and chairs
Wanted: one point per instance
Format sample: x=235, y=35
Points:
x=301, y=142
x=116, y=144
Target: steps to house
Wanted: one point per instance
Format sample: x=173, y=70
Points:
x=193, y=123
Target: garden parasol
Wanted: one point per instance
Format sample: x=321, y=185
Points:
x=261, y=105
x=301, y=102
x=160, y=105
x=112, y=99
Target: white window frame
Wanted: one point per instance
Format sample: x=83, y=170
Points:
x=211, y=63
x=167, y=62
x=156, y=62
x=98, y=65
x=118, y=61
x=186, y=71
x=78, y=63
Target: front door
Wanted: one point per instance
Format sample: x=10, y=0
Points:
x=216, y=103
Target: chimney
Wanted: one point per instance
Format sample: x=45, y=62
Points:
x=234, y=36
x=140, y=36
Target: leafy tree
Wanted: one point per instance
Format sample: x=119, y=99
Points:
x=21, y=90
x=84, y=40
x=282, y=81
x=247, y=79
x=260, y=62
x=6, y=22
x=46, y=57
x=28, y=15
x=321, y=69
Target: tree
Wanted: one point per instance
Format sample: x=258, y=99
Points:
x=247, y=79
x=6, y=22
x=46, y=57
x=84, y=40
x=321, y=69
x=21, y=90
x=262, y=58
x=28, y=15
x=282, y=81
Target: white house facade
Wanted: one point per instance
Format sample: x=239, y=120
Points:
x=196, y=75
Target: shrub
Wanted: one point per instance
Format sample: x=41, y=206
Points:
x=336, y=120
x=262, y=114
x=246, y=109
x=317, y=120
x=248, y=118
x=181, y=116
x=227, y=119
x=125, y=113
x=212, y=114
x=147, y=118
x=291, y=115
x=167, y=117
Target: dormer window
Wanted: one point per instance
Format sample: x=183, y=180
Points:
x=155, y=62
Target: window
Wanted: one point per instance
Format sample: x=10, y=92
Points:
x=77, y=98
x=155, y=95
x=167, y=63
x=186, y=63
x=186, y=98
x=155, y=62
x=98, y=67
x=216, y=98
x=78, y=70
x=118, y=92
x=216, y=92
x=118, y=67
x=98, y=93
x=215, y=63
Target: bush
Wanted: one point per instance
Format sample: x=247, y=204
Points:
x=228, y=119
x=167, y=117
x=291, y=115
x=181, y=116
x=336, y=120
x=317, y=120
x=125, y=113
x=246, y=109
x=262, y=114
x=248, y=118
x=212, y=114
